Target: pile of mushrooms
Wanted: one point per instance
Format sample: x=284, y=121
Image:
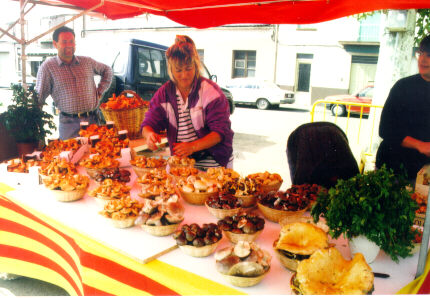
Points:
x=245, y=259
x=161, y=211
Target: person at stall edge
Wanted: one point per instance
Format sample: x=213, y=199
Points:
x=405, y=125
x=192, y=109
x=69, y=79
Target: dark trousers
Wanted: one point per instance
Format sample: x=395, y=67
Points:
x=69, y=126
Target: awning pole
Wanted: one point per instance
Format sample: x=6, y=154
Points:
x=68, y=21
x=13, y=25
x=22, y=4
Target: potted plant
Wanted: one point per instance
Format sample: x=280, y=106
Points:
x=25, y=120
x=376, y=205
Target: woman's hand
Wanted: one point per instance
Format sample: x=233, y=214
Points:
x=151, y=138
x=421, y=146
x=183, y=149
x=424, y=148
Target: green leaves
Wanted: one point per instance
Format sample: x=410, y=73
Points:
x=376, y=205
x=422, y=24
x=24, y=119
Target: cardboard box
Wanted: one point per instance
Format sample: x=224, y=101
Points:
x=162, y=150
x=20, y=179
x=422, y=182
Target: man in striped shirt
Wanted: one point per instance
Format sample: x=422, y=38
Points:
x=192, y=109
x=69, y=79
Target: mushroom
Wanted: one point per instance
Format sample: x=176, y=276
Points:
x=242, y=249
x=141, y=220
x=187, y=188
x=223, y=253
x=246, y=269
x=200, y=186
x=175, y=208
x=149, y=206
x=224, y=265
x=155, y=219
x=174, y=218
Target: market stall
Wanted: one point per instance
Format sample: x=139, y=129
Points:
x=71, y=245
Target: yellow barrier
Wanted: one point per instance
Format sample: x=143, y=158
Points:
x=365, y=148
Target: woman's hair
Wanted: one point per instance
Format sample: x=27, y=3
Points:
x=184, y=52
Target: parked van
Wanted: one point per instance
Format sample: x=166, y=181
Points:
x=141, y=66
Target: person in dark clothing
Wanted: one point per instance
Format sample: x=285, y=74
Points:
x=405, y=121
x=319, y=153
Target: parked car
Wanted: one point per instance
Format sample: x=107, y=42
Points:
x=263, y=94
x=141, y=66
x=365, y=95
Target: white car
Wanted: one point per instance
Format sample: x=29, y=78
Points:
x=263, y=94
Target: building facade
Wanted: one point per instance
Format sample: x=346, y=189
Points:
x=314, y=61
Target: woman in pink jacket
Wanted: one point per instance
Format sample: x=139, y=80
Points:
x=192, y=109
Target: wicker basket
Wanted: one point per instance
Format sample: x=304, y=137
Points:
x=123, y=223
x=160, y=230
x=199, y=252
x=265, y=188
x=288, y=263
x=248, y=200
x=140, y=171
x=196, y=198
x=69, y=196
x=276, y=215
x=129, y=119
x=222, y=213
x=243, y=282
x=235, y=237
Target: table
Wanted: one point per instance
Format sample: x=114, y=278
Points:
x=72, y=246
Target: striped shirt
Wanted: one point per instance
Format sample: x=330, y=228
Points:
x=72, y=86
x=187, y=133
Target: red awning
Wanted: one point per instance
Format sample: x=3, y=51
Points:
x=212, y=13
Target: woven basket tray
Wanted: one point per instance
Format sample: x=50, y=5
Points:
x=248, y=200
x=288, y=263
x=69, y=196
x=276, y=215
x=222, y=213
x=243, y=282
x=160, y=230
x=196, y=198
x=199, y=252
x=129, y=119
x=265, y=188
x=235, y=238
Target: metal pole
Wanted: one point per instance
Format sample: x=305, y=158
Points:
x=425, y=242
x=276, y=53
x=22, y=4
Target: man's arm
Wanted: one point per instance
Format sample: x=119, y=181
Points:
x=106, y=77
x=43, y=84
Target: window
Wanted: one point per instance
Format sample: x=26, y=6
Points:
x=150, y=62
x=244, y=64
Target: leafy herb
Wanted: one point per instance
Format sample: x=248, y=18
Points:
x=375, y=204
x=24, y=119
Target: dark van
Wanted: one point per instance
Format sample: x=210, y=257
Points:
x=141, y=66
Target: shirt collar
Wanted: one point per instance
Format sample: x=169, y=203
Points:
x=60, y=62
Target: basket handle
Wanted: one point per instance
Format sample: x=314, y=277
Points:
x=132, y=93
